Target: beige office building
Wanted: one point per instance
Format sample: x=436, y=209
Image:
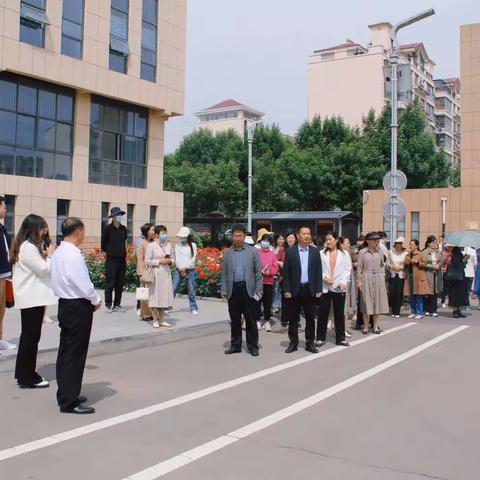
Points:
x=86, y=87
x=349, y=80
x=227, y=115
x=431, y=211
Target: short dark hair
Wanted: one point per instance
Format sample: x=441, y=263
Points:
x=299, y=229
x=239, y=228
x=266, y=237
x=145, y=229
x=71, y=225
x=382, y=234
x=160, y=228
x=416, y=242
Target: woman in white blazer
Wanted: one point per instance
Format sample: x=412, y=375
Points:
x=32, y=292
x=336, y=272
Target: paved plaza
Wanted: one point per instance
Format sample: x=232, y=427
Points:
x=397, y=406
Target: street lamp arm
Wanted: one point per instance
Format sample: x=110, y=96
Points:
x=406, y=23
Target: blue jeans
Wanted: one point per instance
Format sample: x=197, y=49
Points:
x=277, y=297
x=191, y=281
x=416, y=304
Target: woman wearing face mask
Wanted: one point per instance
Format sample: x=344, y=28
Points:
x=159, y=257
x=269, y=263
x=433, y=266
x=148, y=234
x=336, y=271
x=279, y=250
x=185, y=259
x=31, y=284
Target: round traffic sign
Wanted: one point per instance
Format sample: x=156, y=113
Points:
x=399, y=182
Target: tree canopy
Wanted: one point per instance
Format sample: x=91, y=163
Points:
x=327, y=165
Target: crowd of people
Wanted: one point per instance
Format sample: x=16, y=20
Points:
x=293, y=274
x=286, y=276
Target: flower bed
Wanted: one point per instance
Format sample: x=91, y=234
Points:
x=209, y=266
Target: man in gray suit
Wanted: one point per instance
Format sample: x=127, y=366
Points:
x=242, y=284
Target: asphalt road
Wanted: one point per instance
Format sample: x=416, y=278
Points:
x=402, y=405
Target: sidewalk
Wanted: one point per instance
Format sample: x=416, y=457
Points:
x=117, y=326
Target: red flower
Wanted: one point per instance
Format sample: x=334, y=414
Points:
x=203, y=275
x=96, y=249
x=213, y=282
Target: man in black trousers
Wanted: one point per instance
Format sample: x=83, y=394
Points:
x=114, y=241
x=302, y=285
x=78, y=300
x=242, y=284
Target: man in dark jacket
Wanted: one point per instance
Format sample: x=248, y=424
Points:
x=114, y=240
x=5, y=272
x=302, y=285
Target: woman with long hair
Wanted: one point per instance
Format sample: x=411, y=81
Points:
x=457, y=293
x=351, y=296
x=396, y=282
x=31, y=285
x=433, y=266
x=371, y=282
x=269, y=263
x=336, y=272
x=416, y=285
x=159, y=257
x=185, y=260
x=148, y=234
x=279, y=242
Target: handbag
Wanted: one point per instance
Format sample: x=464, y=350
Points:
x=142, y=294
x=9, y=297
x=148, y=275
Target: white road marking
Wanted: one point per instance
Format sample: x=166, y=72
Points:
x=174, y=463
x=175, y=402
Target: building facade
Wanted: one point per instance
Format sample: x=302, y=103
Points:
x=227, y=115
x=349, y=80
x=86, y=87
x=438, y=210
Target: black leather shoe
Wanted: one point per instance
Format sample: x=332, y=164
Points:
x=82, y=399
x=310, y=347
x=343, y=344
x=232, y=350
x=253, y=352
x=80, y=410
x=461, y=315
x=291, y=348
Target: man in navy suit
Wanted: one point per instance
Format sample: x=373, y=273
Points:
x=302, y=284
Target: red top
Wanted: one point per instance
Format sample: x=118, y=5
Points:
x=270, y=259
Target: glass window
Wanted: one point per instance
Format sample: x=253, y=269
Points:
x=149, y=36
x=105, y=214
x=153, y=214
x=130, y=213
x=119, y=24
x=25, y=163
x=46, y=134
x=73, y=10
x=10, y=218
x=7, y=127
x=8, y=95
x=7, y=155
x=32, y=33
x=149, y=40
x=416, y=225
x=118, y=62
x=72, y=28
x=27, y=100
x=118, y=144
x=120, y=5
x=63, y=207
x=25, y=131
x=148, y=72
x=39, y=130
x=149, y=11
x=47, y=107
x=36, y=3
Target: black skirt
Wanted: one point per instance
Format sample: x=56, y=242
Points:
x=457, y=294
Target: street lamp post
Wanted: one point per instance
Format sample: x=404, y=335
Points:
x=394, y=102
x=250, y=132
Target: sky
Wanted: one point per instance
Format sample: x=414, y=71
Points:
x=256, y=51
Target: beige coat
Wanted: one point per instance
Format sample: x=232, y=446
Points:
x=420, y=282
x=161, y=290
x=145, y=311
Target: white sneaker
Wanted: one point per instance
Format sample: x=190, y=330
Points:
x=397, y=316
x=4, y=345
x=119, y=309
x=412, y=315
x=42, y=384
x=155, y=324
x=444, y=305
x=259, y=325
x=434, y=315
x=139, y=313
x=194, y=312
x=348, y=334
x=267, y=327
x=427, y=314
x=109, y=309
x=418, y=317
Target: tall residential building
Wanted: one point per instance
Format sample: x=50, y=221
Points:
x=227, y=115
x=447, y=111
x=444, y=210
x=349, y=79
x=86, y=87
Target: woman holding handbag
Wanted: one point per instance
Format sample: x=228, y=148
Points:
x=31, y=285
x=148, y=234
x=158, y=259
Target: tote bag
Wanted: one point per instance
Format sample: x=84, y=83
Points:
x=142, y=294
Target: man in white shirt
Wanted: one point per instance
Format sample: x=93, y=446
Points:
x=470, y=269
x=78, y=300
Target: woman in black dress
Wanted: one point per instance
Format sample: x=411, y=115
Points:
x=457, y=293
